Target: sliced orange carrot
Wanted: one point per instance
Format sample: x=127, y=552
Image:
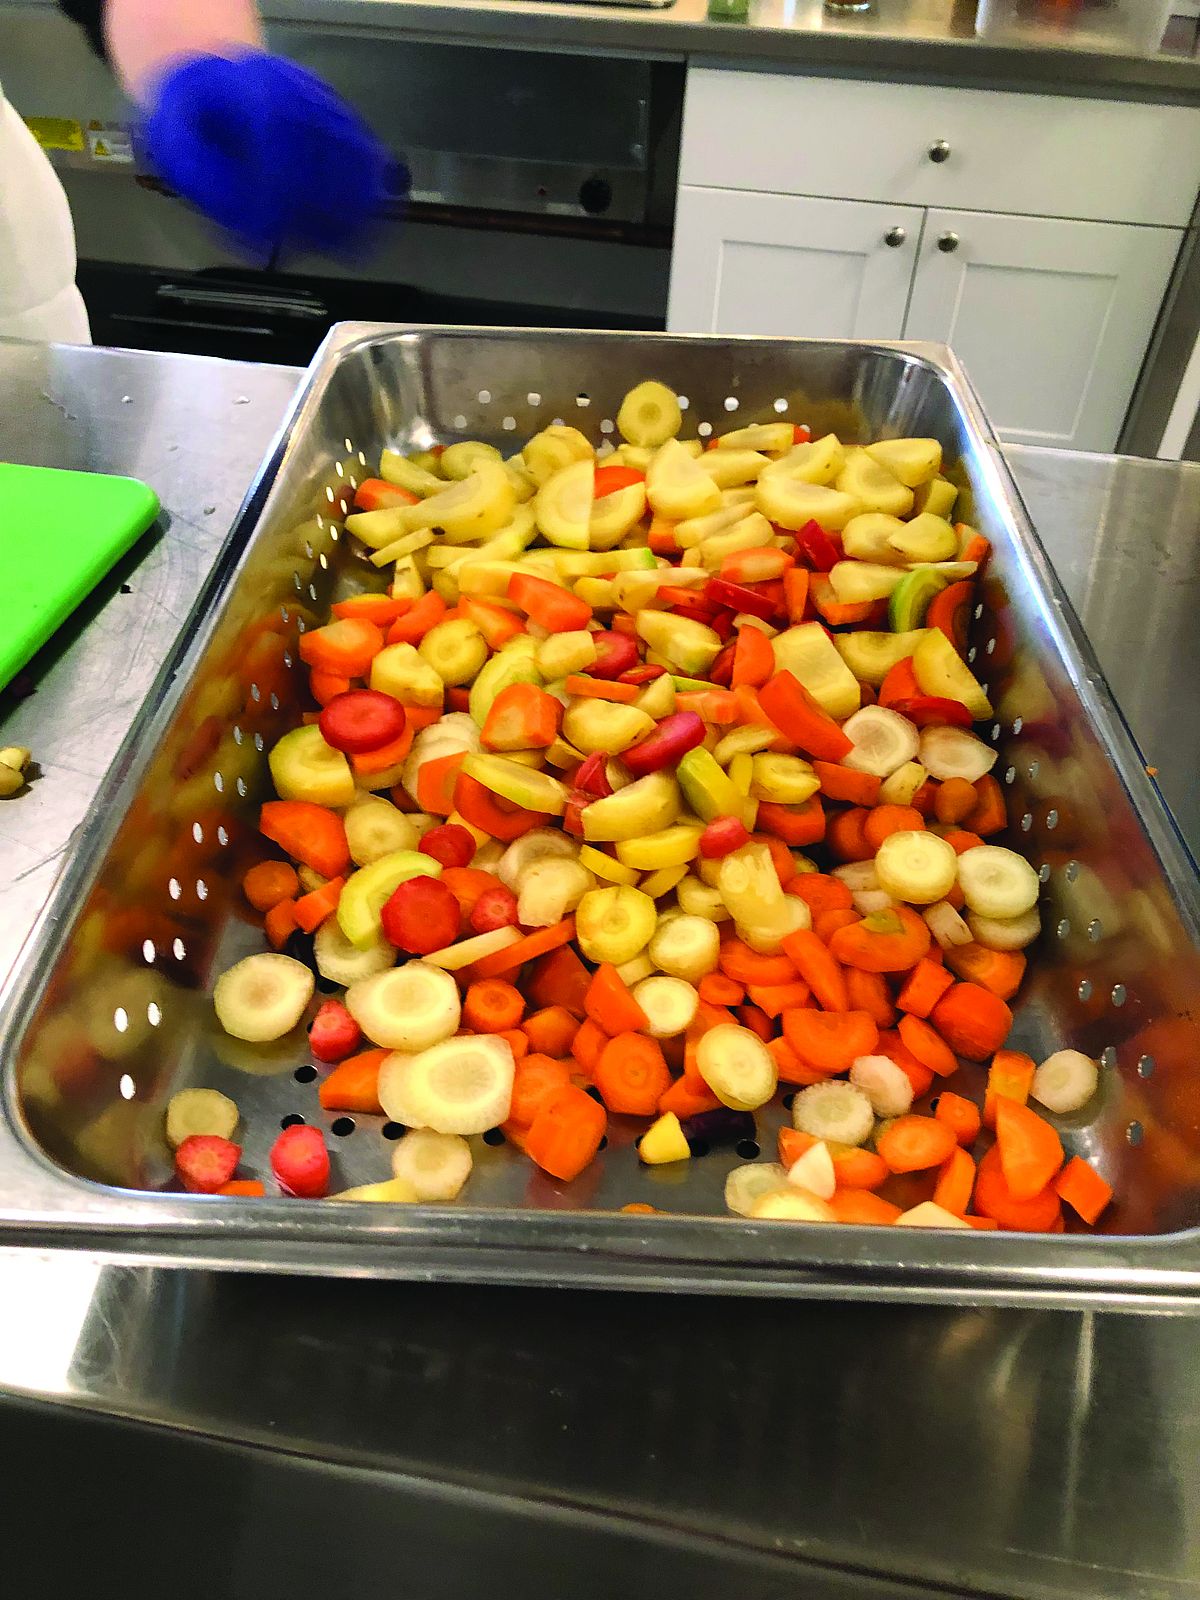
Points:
x=883, y=821
x=994, y=1199
x=437, y=780
x=686, y=1100
x=914, y=1144
x=477, y=805
x=347, y=646
x=466, y=884
x=843, y=783
x=998, y=971
x=551, y=1031
x=491, y=1005
x=719, y=990
x=956, y=1180
x=269, y=882
x=960, y=841
x=622, y=694
x=369, y=762
x=1010, y=1077
x=376, y=494
x=1084, y=1190
x=250, y=1187
x=425, y=614
x=558, y=979
x=522, y=717
x=972, y=1021
x=1031, y=1152
x=353, y=1085
x=632, y=1074
x=845, y=836
x=792, y=1143
x=746, y=966
x=535, y=944
x=821, y=893
x=774, y=999
x=311, y=909
x=950, y=612
x=750, y=1016
x=610, y=1004
x=325, y=685
x=797, y=825
x=960, y=1114
x=862, y=1207
x=837, y=613
x=587, y=1044
x=989, y=815
x=518, y=1042
x=795, y=593
x=899, y=684
x=828, y=922
x=566, y=1133
x=885, y=941
x=280, y=923
x=823, y=974
x=955, y=800
x=831, y=1041
x=928, y=1046
x=868, y=991
x=538, y=1078
x=495, y=622
x=753, y=658
x=923, y=988
x=310, y=834
x=892, y=1045
x=855, y=1168
x=791, y=1068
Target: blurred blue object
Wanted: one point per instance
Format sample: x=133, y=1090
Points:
x=270, y=153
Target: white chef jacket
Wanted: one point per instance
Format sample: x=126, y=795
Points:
x=38, y=297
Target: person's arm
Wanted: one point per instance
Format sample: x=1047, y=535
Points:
x=145, y=37
x=261, y=146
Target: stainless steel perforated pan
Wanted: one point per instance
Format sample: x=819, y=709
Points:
x=109, y=1011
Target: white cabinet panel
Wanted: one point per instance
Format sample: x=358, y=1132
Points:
x=1037, y=155
x=790, y=267
x=1050, y=318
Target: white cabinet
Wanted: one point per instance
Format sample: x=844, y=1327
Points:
x=1050, y=318
x=1068, y=215
x=791, y=266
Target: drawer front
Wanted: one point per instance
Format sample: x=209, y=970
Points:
x=923, y=145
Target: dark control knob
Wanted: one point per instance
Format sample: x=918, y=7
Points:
x=939, y=151
x=595, y=195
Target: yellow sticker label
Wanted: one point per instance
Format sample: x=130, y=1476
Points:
x=56, y=133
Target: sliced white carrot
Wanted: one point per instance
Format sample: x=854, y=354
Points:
x=737, y=1066
x=916, y=866
x=885, y=1085
x=1065, y=1081
x=836, y=1112
x=955, y=753
x=997, y=882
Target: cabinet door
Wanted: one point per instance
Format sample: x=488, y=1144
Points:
x=789, y=266
x=1050, y=318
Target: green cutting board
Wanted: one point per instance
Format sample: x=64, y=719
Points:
x=60, y=532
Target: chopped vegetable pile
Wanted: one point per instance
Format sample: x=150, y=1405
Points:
x=648, y=789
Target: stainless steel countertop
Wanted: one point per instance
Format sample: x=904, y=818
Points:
x=989, y=1451
x=919, y=39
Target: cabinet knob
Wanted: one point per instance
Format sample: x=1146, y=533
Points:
x=947, y=242
x=939, y=151
x=894, y=238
